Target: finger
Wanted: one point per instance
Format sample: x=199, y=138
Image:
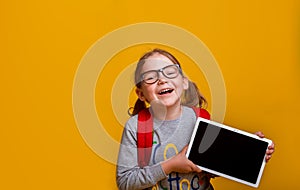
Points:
x=268, y=157
x=184, y=150
x=271, y=149
x=269, y=152
x=260, y=134
x=197, y=169
x=272, y=146
x=194, y=167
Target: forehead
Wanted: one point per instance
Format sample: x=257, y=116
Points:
x=155, y=62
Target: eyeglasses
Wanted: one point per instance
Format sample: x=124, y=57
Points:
x=170, y=72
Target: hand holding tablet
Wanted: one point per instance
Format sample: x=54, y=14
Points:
x=228, y=152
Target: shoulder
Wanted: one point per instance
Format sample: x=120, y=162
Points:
x=188, y=112
x=131, y=123
x=196, y=112
x=129, y=136
x=188, y=115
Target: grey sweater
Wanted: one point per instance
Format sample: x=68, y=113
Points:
x=169, y=138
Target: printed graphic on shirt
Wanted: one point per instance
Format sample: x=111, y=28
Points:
x=175, y=180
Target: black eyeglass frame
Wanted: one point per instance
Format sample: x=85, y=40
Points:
x=161, y=71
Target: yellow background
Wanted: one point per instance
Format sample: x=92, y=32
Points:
x=256, y=44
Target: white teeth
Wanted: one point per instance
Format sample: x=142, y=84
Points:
x=165, y=91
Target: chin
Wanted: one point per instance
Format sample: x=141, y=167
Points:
x=169, y=104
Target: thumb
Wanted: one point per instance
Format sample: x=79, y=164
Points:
x=260, y=134
x=184, y=150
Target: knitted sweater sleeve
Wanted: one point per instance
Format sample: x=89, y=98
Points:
x=129, y=174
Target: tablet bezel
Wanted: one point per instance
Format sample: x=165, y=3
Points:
x=234, y=130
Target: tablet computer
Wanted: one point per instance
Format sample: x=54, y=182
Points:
x=228, y=152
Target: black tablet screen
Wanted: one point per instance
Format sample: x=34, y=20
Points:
x=228, y=152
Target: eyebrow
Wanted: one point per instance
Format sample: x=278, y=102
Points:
x=159, y=69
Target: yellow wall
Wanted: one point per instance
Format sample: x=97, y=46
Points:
x=256, y=44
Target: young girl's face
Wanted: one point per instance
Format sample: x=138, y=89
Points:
x=165, y=90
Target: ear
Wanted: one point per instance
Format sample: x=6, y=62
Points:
x=185, y=83
x=140, y=94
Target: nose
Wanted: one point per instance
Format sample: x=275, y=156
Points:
x=161, y=78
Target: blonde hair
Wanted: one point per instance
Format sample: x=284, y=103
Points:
x=191, y=97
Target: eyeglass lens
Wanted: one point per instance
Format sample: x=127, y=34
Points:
x=152, y=76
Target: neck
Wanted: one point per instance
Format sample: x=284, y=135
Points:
x=173, y=112
x=162, y=112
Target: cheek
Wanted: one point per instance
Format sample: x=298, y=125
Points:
x=148, y=91
x=182, y=84
x=180, y=87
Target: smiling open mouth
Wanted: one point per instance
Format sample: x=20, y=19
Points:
x=165, y=91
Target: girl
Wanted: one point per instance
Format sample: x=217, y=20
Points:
x=160, y=82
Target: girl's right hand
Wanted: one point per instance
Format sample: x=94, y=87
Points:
x=180, y=163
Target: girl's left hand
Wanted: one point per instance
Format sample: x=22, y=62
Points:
x=271, y=148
